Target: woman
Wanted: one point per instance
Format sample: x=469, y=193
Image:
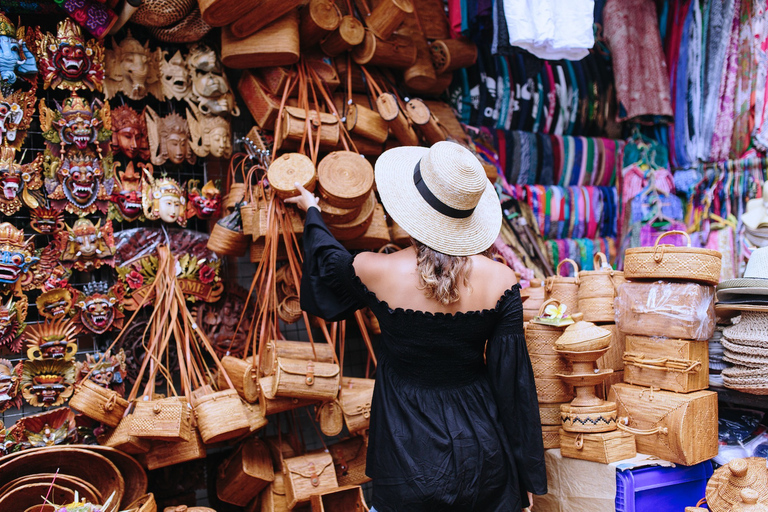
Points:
x=449, y=432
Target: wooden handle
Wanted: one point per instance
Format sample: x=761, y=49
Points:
x=601, y=261
x=674, y=232
x=573, y=264
x=622, y=423
x=546, y=303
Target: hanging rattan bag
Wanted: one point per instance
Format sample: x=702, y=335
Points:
x=99, y=403
x=307, y=475
x=541, y=338
x=330, y=418
x=597, y=289
x=299, y=378
x=349, y=458
x=345, y=179
x=243, y=475
x=356, y=396
x=565, y=289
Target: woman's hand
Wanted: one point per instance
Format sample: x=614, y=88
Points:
x=530, y=503
x=305, y=200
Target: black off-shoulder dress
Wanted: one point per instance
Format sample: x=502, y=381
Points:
x=448, y=431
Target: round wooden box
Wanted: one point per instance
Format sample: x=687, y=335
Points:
x=289, y=169
x=359, y=225
x=345, y=179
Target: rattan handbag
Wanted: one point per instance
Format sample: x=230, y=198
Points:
x=330, y=418
x=597, y=290
x=168, y=453
x=99, y=403
x=564, y=289
x=306, y=475
x=349, y=458
x=349, y=497
x=541, y=338
x=356, y=396
x=345, y=180
x=663, y=261
x=243, y=475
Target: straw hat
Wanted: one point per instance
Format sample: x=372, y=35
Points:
x=440, y=196
x=751, y=330
x=754, y=282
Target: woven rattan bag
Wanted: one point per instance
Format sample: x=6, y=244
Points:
x=330, y=418
x=663, y=261
x=243, y=475
x=307, y=475
x=597, y=289
x=564, y=289
x=99, y=403
x=163, y=419
x=541, y=338
x=349, y=458
x=356, y=396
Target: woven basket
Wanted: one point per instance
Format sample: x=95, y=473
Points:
x=551, y=436
x=449, y=55
x=221, y=416
x=99, y=403
x=375, y=237
x=395, y=52
x=323, y=125
x=164, y=419
x=533, y=302
x=727, y=483
x=349, y=458
x=364, y=122
x=243, y=475
x=258, y=20
x=548, y=366
x=146, y=503
x=318, y=19
x=264, y=107
x=389, y=110
x=289, y=310
x=540, y=338
x=278, y=404
x=120, y=438
x=349, y=33
x=433, y=19
x=299, y=378
x=345, y=179
x=583, y=336
x=550, y=414
x=277, y=44
x=359, y=225
x=289, y=169
x=168, y=453
x=355, y=397
x=420, y=115
x=238, y=371
x=614, y=358
x=334, y=215
x=330, y=418
x=553, y=390
x=597, y=290
x=307, y=475
x=228, y=242
x=589, y=420
x=564, y=289
x=602, y=447
x=664, y=261
x=273, y=498
x=323, y=352
x=387, y=16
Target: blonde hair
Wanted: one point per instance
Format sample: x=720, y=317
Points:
x=441, y=275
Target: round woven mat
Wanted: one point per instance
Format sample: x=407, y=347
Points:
x=345, y=179
x=289, y=169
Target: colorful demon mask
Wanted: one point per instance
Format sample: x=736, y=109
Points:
x=16, y=111
x=79, y=185
x=13, y=313
x=210, y=135
x=133, y=69
x=47, y=382
x=76, y=123
x=205, y=202
x=174, y=76
x=168, y=138
x=98, y=308
x=54, y=339
x=210, y=88
x=163, y=198
x=108, y=370
x=46, y=220
x=15, y=58
x=15, y=177
x=69, y=61
x=16, y=256
x=129, y=133
x=56, y=303
x=126, y=194
x=47, y=428
x=88, y=247
x=10, y=378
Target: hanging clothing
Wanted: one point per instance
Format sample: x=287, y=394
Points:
x=721, y=138
x=551, y=29
x=641, y=76
x=448, y=430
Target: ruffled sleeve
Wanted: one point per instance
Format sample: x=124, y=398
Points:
x=327, y=281
x=514, y=389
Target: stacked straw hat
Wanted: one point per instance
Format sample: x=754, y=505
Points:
x=745, y=344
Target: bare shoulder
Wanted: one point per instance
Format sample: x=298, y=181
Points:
x=370, y=266
x=496, y=276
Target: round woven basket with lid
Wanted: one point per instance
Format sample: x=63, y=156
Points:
x=289, y=169
x=583, y=336
x=727, y=482
x=345, y=179
x=357, y=226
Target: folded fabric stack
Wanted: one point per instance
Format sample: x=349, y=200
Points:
x=745, y=344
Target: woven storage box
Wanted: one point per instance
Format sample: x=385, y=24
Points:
x=288, y=169
x=262, y=104
x=551, y=436
x=661, y=308
x=548, y=366
x=355, y=398
x=541, y=338
x=168, y=453
x=394, y=52
x=597, y=289
x=663, y=261
x=604, y=448
x=357, y=226
x=550, y=414
x=614, y=358
x=667, y=363
x=306, y=475
x=277, y=44
x=564, y=289
x=348, y=498
x=553, y=390
x=98, y=403
x=164, y=419
x=243, y=475
x=588, y=419
x=681, y=428
x=345, y=179
x=535, y=300
x=349, y=458
x=221, y=416
x=121, y=439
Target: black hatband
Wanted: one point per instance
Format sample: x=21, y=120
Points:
x=433, y=201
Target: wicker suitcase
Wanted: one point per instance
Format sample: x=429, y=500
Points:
x=243, y=475
x=663, y=261
x=681, y=428
x=667, y=363
x=605, y=447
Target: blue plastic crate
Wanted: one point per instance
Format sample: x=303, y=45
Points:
x=658, y=489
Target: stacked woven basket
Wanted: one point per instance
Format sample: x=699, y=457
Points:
x=666, y=312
